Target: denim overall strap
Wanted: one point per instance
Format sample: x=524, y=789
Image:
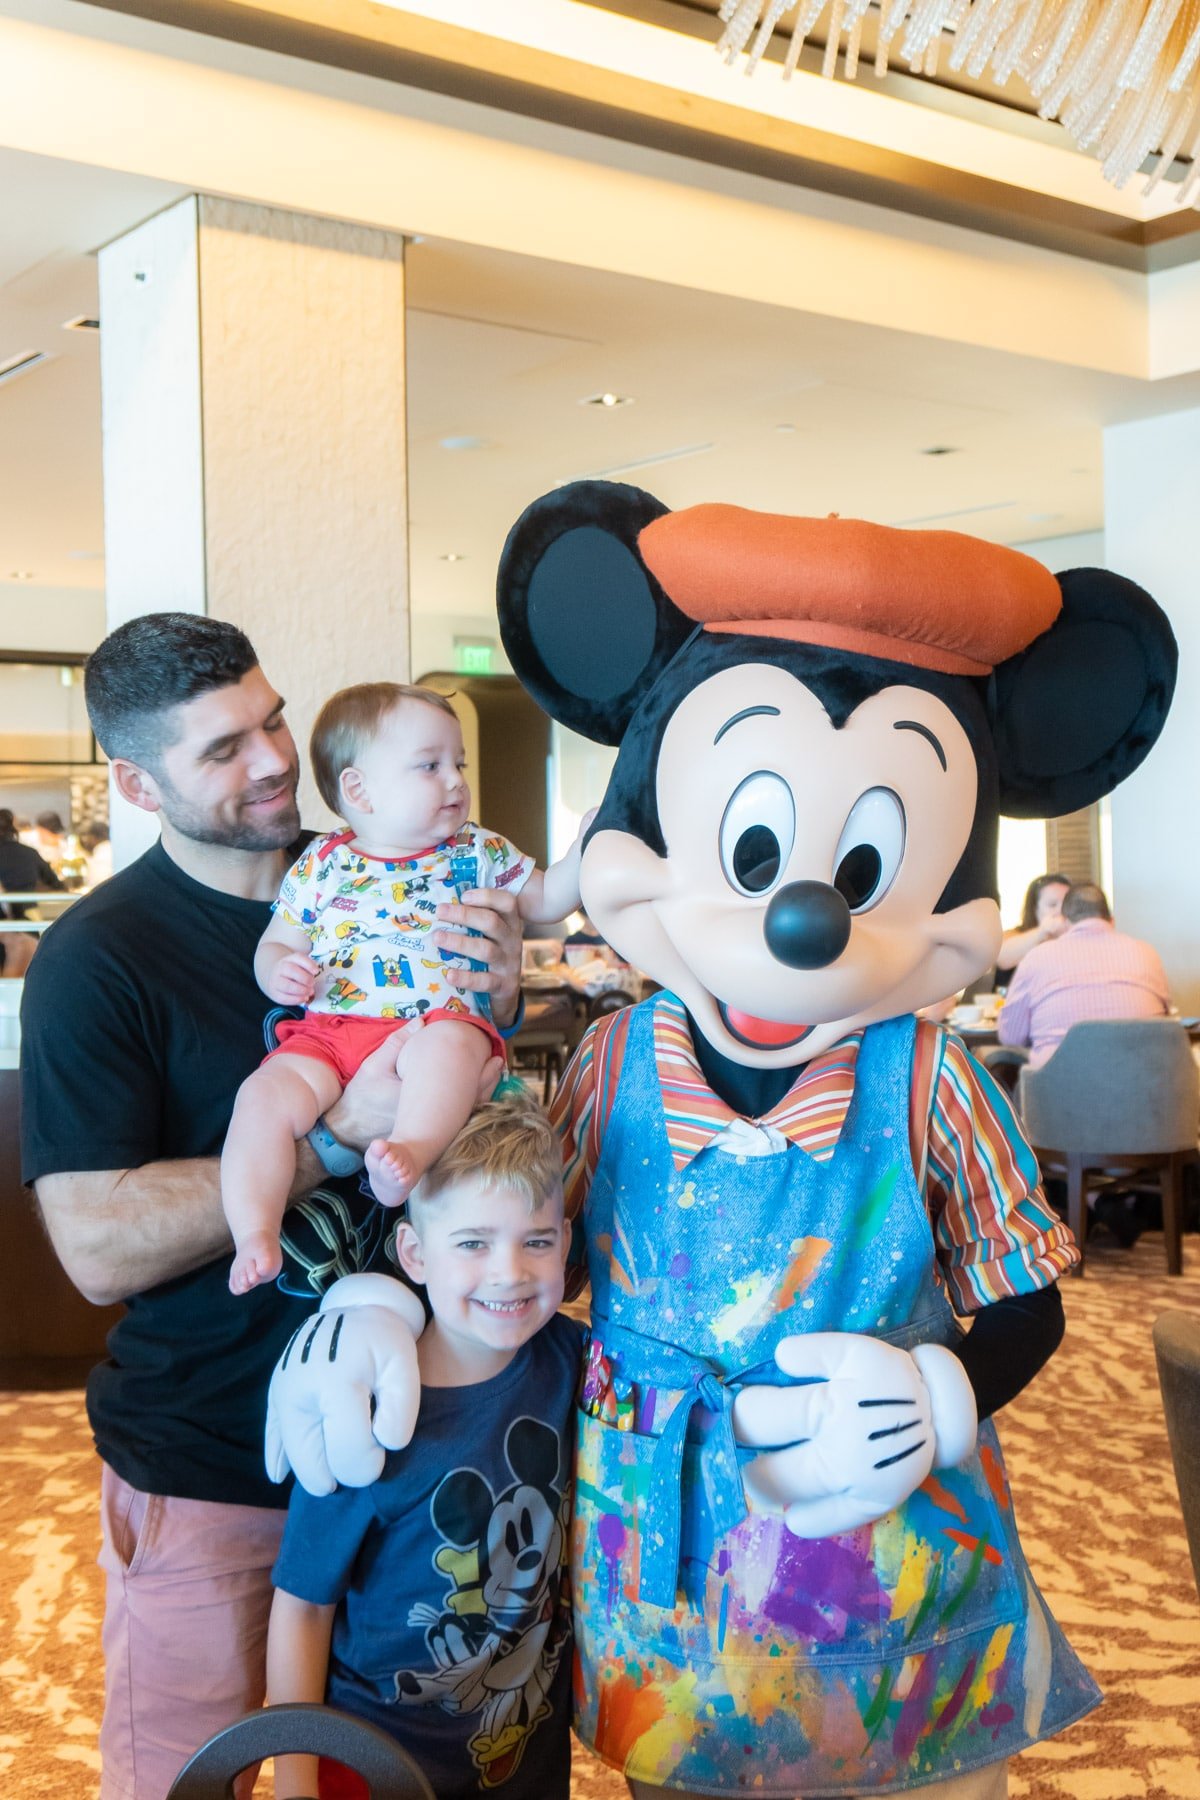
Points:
x=704, y=1385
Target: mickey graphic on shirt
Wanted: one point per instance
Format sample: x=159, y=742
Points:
x=497, y=1643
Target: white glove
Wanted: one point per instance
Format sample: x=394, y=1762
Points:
x=868, y=1404
x=360, y=1347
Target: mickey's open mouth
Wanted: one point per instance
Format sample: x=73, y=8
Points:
x=760, y=1034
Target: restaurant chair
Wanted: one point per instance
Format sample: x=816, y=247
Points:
x=1119, y=1097
x=1177, y=1350
x=389, y=1771
x=613, y=1000
x=551, y=1027
x=1004, y=1062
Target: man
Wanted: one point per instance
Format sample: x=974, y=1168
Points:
x=141, y=1019
x=1092, y=971
x=22, y=870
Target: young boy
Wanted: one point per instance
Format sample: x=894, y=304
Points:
x=434, y=1602
x=350, y=941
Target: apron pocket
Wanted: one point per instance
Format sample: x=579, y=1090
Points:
x=755, y=1593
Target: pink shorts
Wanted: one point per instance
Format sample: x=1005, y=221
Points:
x=187, y=1600
x=344, y=1043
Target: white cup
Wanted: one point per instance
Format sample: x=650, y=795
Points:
x=967, y=1015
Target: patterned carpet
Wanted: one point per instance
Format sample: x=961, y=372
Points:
x=1095, y=1495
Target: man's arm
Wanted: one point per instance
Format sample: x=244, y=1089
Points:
x=118, y=1232
x=46, y=877
x=1016, y=1015
x=493, y=913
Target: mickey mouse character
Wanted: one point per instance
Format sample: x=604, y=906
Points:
x=795, y=1563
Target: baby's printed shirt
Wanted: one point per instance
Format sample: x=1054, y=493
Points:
x=369, y=919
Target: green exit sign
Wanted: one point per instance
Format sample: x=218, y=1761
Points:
x=473, y=659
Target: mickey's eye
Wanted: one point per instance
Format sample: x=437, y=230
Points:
x=870, y=849
x=757, y=833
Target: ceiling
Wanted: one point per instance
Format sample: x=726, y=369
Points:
x=751, y=404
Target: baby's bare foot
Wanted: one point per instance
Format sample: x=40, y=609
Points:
x=259, y=1258
x=392, y=1172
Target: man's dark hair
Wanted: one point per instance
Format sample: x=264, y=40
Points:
x=148, y=666
x=1086, y=901
x=8, y=828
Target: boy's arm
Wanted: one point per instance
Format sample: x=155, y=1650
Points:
x=297, y=1670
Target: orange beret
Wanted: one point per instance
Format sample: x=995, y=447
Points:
x=935, y=599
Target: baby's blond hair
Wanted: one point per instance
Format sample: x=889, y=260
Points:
x=508, y=1143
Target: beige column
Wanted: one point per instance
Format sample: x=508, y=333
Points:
x=252, y=365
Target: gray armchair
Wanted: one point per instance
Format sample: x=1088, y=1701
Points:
x=1177, y=1349
x=1118, y=1097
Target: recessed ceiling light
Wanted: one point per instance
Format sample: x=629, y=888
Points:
x=785, y=430
x=452, y=556
x=22, y=363
x=20, y=575
x=1041, y=518
x=85, y=555
x=462, y=443
x=607, y=400
x=941, y=450
x=81, y=322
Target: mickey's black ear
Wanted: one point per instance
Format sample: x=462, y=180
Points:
x=532, y=1450
x=584, y=623
x=1076, y=712
x=461, y=1508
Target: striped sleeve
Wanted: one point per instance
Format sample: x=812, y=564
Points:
x=994, y=1233
x=571, y=1113
x=573, y=1116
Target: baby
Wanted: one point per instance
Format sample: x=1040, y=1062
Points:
x=350, y=941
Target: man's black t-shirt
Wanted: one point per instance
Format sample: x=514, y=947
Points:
x=141, y=1018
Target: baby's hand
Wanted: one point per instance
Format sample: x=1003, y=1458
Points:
x=293, y=980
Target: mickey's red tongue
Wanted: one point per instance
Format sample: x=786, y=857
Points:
x=765, y=1034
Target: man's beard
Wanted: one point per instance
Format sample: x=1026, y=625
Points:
x=239, y=833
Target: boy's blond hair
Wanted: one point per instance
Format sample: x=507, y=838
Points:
x=508, y=1143
x=349, y=720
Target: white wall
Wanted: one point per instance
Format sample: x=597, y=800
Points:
x=46, y=618
x=1152, y=532
x=1077, y=550
x=432, y=638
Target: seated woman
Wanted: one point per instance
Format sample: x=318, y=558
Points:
x=1041, y=919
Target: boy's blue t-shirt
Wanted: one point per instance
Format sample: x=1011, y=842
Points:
x=453, y=1628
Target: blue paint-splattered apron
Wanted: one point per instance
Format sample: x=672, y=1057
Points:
x=717, y=1652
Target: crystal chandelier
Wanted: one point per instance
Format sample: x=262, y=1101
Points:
x=1121, y=75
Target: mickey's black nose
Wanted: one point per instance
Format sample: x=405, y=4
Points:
x=807, y=925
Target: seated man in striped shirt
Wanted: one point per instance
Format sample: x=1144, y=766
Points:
x=1093, y=971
